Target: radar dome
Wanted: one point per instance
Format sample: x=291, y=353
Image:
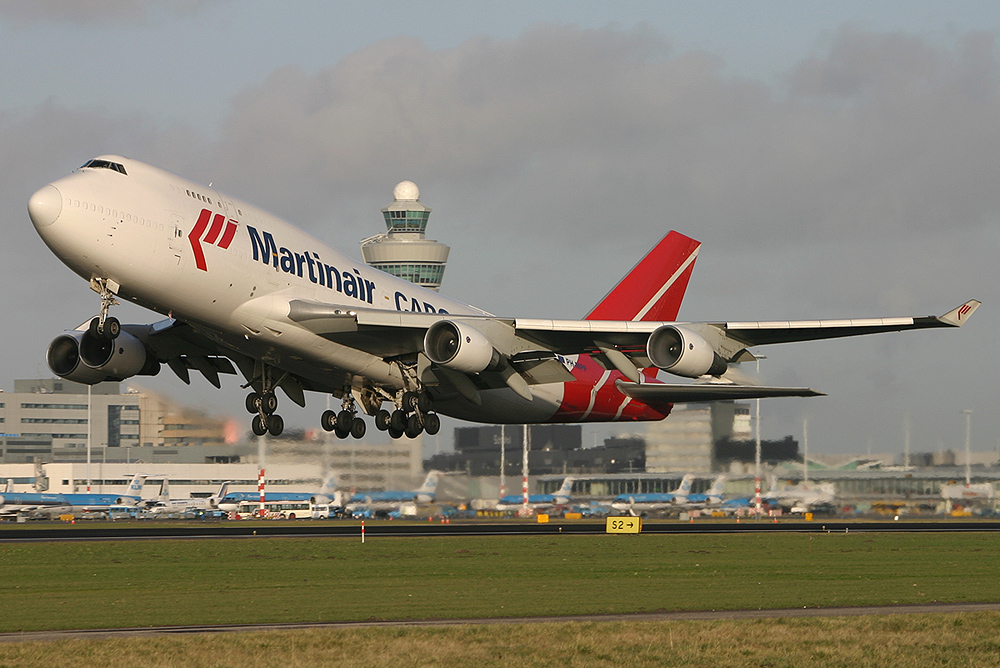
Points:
x=406, y=191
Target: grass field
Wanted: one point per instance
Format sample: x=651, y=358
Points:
x=100, y=584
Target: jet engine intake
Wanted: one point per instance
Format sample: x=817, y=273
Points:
x=81, y=357
x=683, y=353
x=458, y=346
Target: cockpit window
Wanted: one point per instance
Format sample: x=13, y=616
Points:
x=106, y=164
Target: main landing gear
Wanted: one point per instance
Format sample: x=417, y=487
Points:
x=413, y=416
x=266, y=421
x=346, y=422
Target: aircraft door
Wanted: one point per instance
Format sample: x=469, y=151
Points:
x=175, y=236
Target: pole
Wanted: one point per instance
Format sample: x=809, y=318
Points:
x=968, y=454
x=805, y=450
x=503, y=463
x=89, y=420
x=524, y=473
x=906, y=442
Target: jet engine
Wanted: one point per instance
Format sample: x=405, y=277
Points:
x=683, y=353
x=84, y=358
x=458, y=346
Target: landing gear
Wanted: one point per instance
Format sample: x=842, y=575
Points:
x=413, y=416
x=346, y=422
x=264, y=404
x=104, y=326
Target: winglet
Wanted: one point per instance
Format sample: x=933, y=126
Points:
x=957, y=316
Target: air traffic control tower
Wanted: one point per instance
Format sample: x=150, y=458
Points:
x=403, y=250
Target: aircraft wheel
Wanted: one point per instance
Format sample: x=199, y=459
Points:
x=340, y=432
x=253, y=403
x=397, y=421
x=413, y=426
x=395, y=433
x=258, y=426
x=432, y=423
x=382, y=419
x=328, y=420
x=269, y=402
x=344, y=420
x=410, y=401
x=275, y=425
x=112, y=328
x=424, y=402
x=358, y=428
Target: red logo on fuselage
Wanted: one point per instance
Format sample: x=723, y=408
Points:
x=218, y=223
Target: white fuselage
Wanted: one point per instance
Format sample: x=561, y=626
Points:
x=230, y=270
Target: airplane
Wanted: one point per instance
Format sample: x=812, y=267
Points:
x=712, y=497
x=370, y=502
x=165, y=505
x=327, y=495
x=646, y=501
x=51, y=504
x=801, y=497
x=244, y=290
x=561, y=497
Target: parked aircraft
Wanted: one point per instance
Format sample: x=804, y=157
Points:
x=389, y=500
x=713, y=497
x=647, y=501
x=51, y=504
x=243, y=289
x=167, y=506
x=561, y=497
x=328, y=494
x=801, y=497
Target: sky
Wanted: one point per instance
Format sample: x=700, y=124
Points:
x=836, y=159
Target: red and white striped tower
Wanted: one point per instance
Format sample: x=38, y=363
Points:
x=260, y=490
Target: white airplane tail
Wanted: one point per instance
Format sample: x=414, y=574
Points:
x=565, y=492
x=685, y=487
x=220, y=495
x=718, y=486
x=133, y=494
x=427, y=491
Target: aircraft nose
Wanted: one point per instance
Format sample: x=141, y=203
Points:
x=45, y=206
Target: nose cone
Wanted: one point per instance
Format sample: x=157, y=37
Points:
x=45, y=206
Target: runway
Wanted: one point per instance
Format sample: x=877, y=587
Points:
x=374, y=529
x=687, y=615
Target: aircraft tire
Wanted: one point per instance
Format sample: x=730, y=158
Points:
x=258, y=426
x=253, y=403
x=432, y=423
x=94, y=328
x=112, y=328
x=340, y=433
x=344, y=420
x=413, y=426
x=382, y=418
x=410, y=401
x=397, y=421
x=269, y=402
x=395, y=433
x=328, y=420
x=424, y=402
x=358, y=428
x=275, y=425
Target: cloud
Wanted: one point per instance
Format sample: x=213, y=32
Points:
x=134, y=12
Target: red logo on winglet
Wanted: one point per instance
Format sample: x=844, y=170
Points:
x=965, y=308
x=219, y=223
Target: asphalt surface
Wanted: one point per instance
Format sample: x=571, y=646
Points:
x=302, y=528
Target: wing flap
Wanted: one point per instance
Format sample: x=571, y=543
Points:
x=694, y=392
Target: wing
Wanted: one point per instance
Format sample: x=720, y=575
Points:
x=472, y=352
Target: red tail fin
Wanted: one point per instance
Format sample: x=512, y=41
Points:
x=655, y=287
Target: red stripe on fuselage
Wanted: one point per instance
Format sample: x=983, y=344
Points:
x=227, y=238
x=195, y=238
x=594, y=397
x=213, y=233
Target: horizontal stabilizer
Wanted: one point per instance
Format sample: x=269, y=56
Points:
x=693, y=392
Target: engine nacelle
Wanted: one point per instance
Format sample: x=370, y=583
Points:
x=126, y=501
x=81, y=357
x=461, y=347
x=683, y=353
